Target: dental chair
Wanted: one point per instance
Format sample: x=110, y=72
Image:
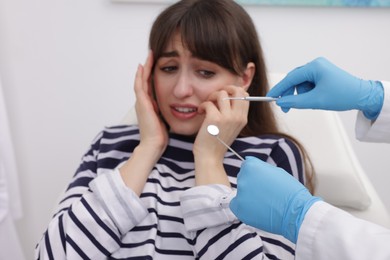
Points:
x=340, y=179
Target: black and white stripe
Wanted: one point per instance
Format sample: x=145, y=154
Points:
x=100, y=218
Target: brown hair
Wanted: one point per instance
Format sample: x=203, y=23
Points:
x=221, y=31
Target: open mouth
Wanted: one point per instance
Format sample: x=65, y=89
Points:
x=185, y=109
x=183, y=112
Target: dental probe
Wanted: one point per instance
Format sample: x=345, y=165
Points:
x=265, y=99
x=214, y=131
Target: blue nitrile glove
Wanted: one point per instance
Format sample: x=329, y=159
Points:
x=270, y=199
x=322, y=85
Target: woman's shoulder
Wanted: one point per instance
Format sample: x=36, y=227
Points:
x=116, y=134
x=117, y=131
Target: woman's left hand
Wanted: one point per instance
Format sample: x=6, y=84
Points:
x=230, y=116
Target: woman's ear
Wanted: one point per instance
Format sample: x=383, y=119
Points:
x=248, y=75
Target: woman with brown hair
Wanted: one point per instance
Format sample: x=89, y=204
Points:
x=161, y=189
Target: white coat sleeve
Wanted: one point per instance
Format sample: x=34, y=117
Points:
x=331, y=233
x=378, y=130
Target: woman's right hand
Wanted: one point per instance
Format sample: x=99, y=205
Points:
x=153, y=132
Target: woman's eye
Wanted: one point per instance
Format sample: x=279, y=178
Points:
x=168, y=68
x=206, y=73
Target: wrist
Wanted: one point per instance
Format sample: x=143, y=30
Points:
x=209, y=170
x=298, y=207
x=150, y=152
x=374, y=100
x=138, y=167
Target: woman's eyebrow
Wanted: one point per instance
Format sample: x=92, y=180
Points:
x=170, y=54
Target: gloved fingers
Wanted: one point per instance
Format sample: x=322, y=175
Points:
x=251, y=168
x=253, y=164
x=245, y=168
x=285, y=109
x=233, y=205
x=300, y=88
x=288, y=92
x=241, y=209
x=293, y=78
x=305, y=87
x=304, y=101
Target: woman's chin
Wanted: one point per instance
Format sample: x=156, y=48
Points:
x=184, y=130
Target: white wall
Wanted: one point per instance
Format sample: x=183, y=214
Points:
x=68, y=68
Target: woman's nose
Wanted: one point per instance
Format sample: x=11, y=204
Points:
x=183, y=87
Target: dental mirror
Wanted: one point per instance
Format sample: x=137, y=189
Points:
x=214, y=131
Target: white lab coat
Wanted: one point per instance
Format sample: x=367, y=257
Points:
x=331, y=233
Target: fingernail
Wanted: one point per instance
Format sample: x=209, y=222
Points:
x=139, y=69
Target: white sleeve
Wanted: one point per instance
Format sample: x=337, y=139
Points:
x=378, y=130
x=331, y=233
x=92, y=226
x=207, y=206
x=218, y=234
x=120, y=203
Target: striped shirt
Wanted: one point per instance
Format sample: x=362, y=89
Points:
x=101, y=218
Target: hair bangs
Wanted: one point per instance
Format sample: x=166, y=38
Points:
x=204, y=36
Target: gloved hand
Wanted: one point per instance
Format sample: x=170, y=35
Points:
x=322, y=85
x=270, y=199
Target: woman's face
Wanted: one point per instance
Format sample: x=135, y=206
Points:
x=182, y=82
